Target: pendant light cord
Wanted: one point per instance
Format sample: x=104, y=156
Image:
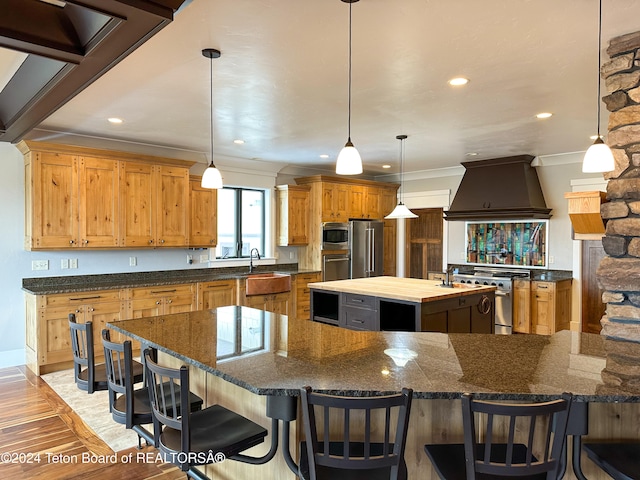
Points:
x=401, y=170
x=211, y=105
x=599, y=61
x=349, y=83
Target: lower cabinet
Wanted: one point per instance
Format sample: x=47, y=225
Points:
x=218, y=293
x=276, y=303
x=550, y=306
x=303, y=293
x=161, y=300
x=48, y=341
x=359, y=312
x=521, y=306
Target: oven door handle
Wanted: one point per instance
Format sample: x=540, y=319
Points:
x=500, y=293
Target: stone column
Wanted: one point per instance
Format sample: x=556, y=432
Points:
x=619, y=272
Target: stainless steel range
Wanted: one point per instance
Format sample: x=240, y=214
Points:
x=501, y=278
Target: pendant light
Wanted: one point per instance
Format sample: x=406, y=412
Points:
x=211, y=177
x=401, y=211
x=599, y=157
x=349, y=161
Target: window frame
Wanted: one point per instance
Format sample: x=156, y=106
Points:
x=238, y=191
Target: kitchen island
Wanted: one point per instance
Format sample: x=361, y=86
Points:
x=240, y=356
x=404, y=304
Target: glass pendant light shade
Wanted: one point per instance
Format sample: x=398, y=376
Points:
x=349, y=161
x=211, y=177
x=598, y=158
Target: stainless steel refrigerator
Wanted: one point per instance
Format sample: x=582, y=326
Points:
x=366, y=248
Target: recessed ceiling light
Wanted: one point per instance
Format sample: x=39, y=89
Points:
x=386, y=166
x=471, y=154
x=324, y=155
x=544, y=115
x=115, y=120
x=238, y=141
x=456, y=82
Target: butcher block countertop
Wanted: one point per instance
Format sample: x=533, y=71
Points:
x=407, y=289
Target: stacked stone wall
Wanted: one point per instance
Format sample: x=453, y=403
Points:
x=619, y=272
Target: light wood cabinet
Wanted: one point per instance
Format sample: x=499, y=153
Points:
x=78, y=197
x=293, y=215
x=522, y=306
x=58, y=187
x=203, y=225
x=373, y=203
x=161, y=300
x=303, y=294
x=48, y=341
x=276, y=303
x=335, y=202
x=218, y=293
x=357, y=201
x=550, y=306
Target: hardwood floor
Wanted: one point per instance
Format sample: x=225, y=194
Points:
x=41, y=437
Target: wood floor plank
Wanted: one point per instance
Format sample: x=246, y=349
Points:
x=35, y=423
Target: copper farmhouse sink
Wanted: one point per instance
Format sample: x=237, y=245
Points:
x=267, y=283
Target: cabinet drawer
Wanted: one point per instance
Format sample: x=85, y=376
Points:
x=361, y=301
x=161, y=291
x=81, y=298
x=358, y=318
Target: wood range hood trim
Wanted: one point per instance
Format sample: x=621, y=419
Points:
x=505, y=188
x=68, y=47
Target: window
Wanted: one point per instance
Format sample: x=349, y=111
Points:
x=241, y=222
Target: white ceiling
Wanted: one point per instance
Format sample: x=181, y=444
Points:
x=281, y=82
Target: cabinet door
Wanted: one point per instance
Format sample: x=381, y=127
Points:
x=216, y=294
x=303, y=294
x=172, y=219
x=522, y=306
x=328, y=203
x=389, y=248
x=357, y=195
x=55, y=201
x=99, y=197
x=298, y=217
x=279, y=303
x=100, y=314
x=137, y=205
x=542, y=308
x=335, y=202
x=257, y=301
x=373, y=203
x=54, y=338
x=203, y=226
x=146, y=307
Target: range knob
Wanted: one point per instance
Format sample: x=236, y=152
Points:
x=477, y=282
x=501, y=284
x=493, y=284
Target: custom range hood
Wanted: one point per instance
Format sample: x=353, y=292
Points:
x=499, y=189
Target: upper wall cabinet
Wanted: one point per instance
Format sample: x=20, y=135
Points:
x=80, y=197
x=204, y=212
x=293, y=215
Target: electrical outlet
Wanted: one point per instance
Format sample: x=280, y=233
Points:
x=204, y=258
x=551, y=259
x=189, y=259
x=133, y=261
x=73, y=263
x=64, y=263
x=40, y=265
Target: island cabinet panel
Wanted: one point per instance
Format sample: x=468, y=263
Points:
x=203, y=224
x=161, y=300
x=359, y=312
x=467, y=314
x=217, y=293
x=48, y=340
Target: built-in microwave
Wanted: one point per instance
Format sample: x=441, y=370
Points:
x=335, y=236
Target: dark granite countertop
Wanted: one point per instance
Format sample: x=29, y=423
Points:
x=84, y=283
x=278, y=359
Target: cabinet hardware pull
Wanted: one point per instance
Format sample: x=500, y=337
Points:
x=162, y=241
x=84, y=298
x=169, y=301
x=150, y=241
x=85, y=241
x=163, y=291
x=71, y=242
x=158, y=302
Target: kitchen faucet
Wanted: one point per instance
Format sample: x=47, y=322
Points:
x=251, y=258
x=448, y=281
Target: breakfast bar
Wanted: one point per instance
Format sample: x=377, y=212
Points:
x=240, y=356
